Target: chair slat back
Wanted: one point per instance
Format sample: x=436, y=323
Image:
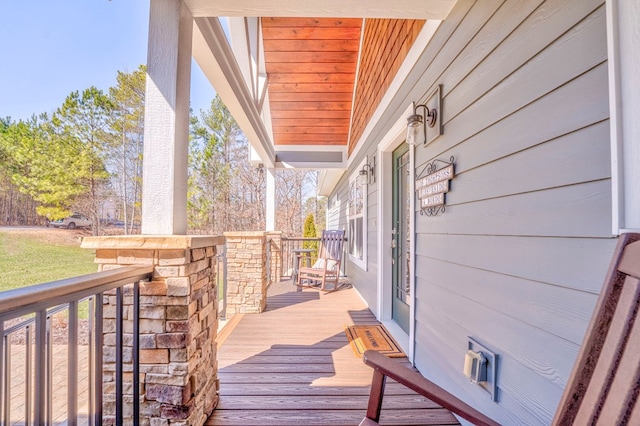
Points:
x=605, y=382
x=332, y=244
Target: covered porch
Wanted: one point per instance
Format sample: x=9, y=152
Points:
x=293, y=365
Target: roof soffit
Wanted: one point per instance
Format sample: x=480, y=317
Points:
x=397, y=9
x=308, y=127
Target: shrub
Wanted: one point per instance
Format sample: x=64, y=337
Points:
x=309, y=231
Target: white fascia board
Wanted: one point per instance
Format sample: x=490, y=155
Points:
x=397, y=9
x=328, y=180
x=304, y=165
x=246, y=43
x=254, y=158
x=218, y=63
x=239, y=46
x=312, y=162
x=314, y=148
x=266, y=115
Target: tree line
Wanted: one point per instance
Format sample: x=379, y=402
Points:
x=87, y=157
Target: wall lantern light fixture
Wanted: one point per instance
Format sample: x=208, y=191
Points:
x=417, y=122
x=260, y=170
x=368, y=172
x=430, y=117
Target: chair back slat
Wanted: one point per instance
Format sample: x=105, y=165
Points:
x=623, y=392
x=605, y=382
x=606, y=371
x=327, y=269
x=332, y=244
x=634, y=419
x=629, y=263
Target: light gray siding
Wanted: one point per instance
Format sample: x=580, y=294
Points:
x=335, y=220
x=518, y=258
x=364, y=280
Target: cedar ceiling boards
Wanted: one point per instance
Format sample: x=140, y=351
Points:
x=311, y=67
x=385, y=45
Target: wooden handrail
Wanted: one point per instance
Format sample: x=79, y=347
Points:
x=385, y=367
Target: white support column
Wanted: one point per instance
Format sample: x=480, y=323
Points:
x=271, y=199
x=166, y=124
x=624, y=94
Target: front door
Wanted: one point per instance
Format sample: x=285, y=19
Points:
x=401, y=237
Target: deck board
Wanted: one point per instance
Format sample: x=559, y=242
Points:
x=293, y=365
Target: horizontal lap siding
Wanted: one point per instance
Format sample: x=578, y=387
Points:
x=367, y=283
x=518, y=258
x=335, y=214
x=364, y=281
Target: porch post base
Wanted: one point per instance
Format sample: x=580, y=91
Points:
x=178, y=326
x=246, y=272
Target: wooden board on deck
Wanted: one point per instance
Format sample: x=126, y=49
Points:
x=293, y=365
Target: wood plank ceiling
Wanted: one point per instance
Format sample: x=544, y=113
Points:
x=311, y=69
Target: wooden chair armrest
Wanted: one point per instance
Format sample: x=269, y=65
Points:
x=415, y=381
x=326, y=262
x=368, y=422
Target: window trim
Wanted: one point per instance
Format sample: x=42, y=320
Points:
x=353, y=179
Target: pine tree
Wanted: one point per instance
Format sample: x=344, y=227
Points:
x=309, y=231
x=125, y=159
x=45, y=165
x=82, y=123
x=225, y=193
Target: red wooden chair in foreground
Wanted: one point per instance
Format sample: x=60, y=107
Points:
x=326, y=269
x=605, y=381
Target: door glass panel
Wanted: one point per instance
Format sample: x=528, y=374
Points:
x=404, y=280
x=401, y=233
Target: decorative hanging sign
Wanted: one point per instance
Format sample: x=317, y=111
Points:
x=432, y=184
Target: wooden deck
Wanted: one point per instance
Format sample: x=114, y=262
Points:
x=292, y=365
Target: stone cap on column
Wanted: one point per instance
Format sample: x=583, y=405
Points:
x=255, y=234
x=152, y=242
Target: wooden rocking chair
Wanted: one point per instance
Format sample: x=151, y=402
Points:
x=605, y=381
x=327, y=268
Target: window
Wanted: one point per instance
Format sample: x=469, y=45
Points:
x=357, y=217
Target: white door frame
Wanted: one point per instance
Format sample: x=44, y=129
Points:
x=624, y=106
x=394, y=137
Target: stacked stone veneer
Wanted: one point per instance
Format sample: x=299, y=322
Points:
x=246, y=272
x=178, y=326
x=274, y=242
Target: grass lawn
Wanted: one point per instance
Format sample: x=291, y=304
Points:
x=28, y=258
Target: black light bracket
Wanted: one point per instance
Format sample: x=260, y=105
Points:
x=369, y=171
x=430, y=117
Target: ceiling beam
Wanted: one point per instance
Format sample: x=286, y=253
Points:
x=398, y=9
x=217, y=61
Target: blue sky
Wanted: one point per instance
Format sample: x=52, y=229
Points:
x=53, y=47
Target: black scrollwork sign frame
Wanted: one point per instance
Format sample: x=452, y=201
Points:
x=432, y=183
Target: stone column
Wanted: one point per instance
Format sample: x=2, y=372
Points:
x=246, y=272
x=178, y=325
x=275, y=240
